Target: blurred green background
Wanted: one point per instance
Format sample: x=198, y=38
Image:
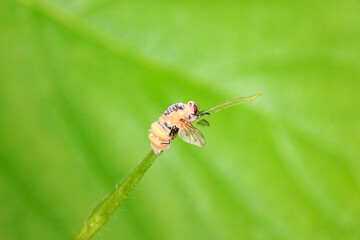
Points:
x=81, y=82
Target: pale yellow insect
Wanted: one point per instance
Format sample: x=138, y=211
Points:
x=176, y=120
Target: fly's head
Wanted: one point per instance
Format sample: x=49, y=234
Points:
x=192, y=110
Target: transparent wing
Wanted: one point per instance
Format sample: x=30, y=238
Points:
x=188, y=133
x=203, y=123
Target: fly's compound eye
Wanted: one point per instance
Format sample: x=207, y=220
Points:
x=196, y=109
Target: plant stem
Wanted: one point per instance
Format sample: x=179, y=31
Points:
x=102, y=213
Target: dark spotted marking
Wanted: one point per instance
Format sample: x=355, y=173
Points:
x=166, y=125
x=162, y=126
x=174, y=108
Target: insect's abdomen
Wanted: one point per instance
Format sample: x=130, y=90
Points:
x=159, y=137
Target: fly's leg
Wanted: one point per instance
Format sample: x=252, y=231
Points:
x=166, y=142
x=201, y=114
x=173, y=132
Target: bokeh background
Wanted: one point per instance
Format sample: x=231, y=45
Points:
x=81, y=82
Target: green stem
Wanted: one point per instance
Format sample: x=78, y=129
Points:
x=102, y=213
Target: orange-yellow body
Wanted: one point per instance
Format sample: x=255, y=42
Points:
x=164, y=130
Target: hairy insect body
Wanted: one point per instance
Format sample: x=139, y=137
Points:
x=176, y=119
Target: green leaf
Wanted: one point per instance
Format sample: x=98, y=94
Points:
x=81, y=82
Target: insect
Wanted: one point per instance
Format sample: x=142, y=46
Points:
x=176, y=121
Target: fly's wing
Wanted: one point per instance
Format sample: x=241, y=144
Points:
x=203, y=123
x=188, y=133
